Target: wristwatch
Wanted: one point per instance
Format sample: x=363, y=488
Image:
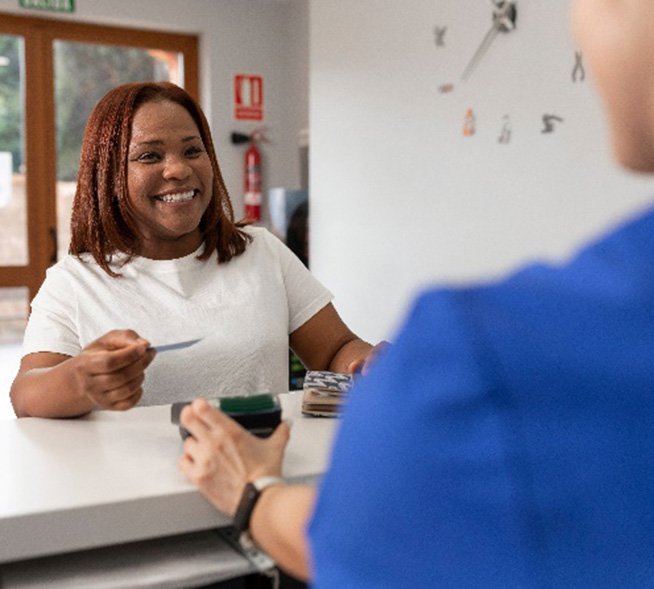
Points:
x=249, y=498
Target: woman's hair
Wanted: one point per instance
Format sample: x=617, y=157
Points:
x=102, y=221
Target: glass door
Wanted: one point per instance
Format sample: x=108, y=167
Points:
x=14, y=251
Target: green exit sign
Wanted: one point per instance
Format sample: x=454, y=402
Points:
x=51, y=5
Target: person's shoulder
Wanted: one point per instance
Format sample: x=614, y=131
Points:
x=256, y=232
x=626, y=241
x=66, y=265
x=262, y=238
x=61, y=277
x=613, y=268
x=73, y=267
x=617, y=258
x=73, y=262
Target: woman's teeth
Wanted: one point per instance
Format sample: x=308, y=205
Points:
x=177, y=197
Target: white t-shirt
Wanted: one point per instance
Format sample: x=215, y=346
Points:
x=244, y=310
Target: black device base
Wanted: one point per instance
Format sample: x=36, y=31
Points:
x=259, y=414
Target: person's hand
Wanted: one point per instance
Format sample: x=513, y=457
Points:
x=220, y=457
x=364, y=363
x=110, y=371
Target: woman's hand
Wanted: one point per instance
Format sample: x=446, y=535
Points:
x=363, y=363
x=220, y=457
x=110, y=371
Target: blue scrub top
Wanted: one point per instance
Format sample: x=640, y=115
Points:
x=506, y=439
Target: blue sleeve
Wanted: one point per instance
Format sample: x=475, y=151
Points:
x=420, y=467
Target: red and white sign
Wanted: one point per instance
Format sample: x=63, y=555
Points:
x=248, y=97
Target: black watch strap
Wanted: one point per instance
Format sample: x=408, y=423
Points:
x=249, y=498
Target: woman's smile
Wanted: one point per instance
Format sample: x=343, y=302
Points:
x=177, y=196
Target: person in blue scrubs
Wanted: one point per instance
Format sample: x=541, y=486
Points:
x=506, y=439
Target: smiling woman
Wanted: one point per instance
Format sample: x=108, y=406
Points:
x=157, y=257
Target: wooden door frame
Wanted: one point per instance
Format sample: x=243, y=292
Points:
x=39, y=35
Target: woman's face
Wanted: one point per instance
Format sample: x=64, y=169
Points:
x=169, y=180
x=617, y=43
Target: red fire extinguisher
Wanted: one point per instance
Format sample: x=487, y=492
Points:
x=252, y=177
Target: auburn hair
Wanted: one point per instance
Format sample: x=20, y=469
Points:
x=102, y=221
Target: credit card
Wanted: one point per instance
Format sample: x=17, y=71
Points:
x=175, y=346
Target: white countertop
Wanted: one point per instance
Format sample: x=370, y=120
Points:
x=112, y=477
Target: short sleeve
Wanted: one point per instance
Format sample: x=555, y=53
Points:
x=52, y=325
x=306, y=295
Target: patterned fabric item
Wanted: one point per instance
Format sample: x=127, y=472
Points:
x=332, y=383
x=325, y=392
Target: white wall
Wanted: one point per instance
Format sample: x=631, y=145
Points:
x=249, y=36
x=298, y=68
x=400, y=198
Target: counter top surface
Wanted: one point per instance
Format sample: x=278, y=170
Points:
x=112, y=477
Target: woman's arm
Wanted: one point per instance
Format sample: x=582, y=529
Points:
x=324, y=342
x=220, y=458
x=278, y=525
x=108, y=373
